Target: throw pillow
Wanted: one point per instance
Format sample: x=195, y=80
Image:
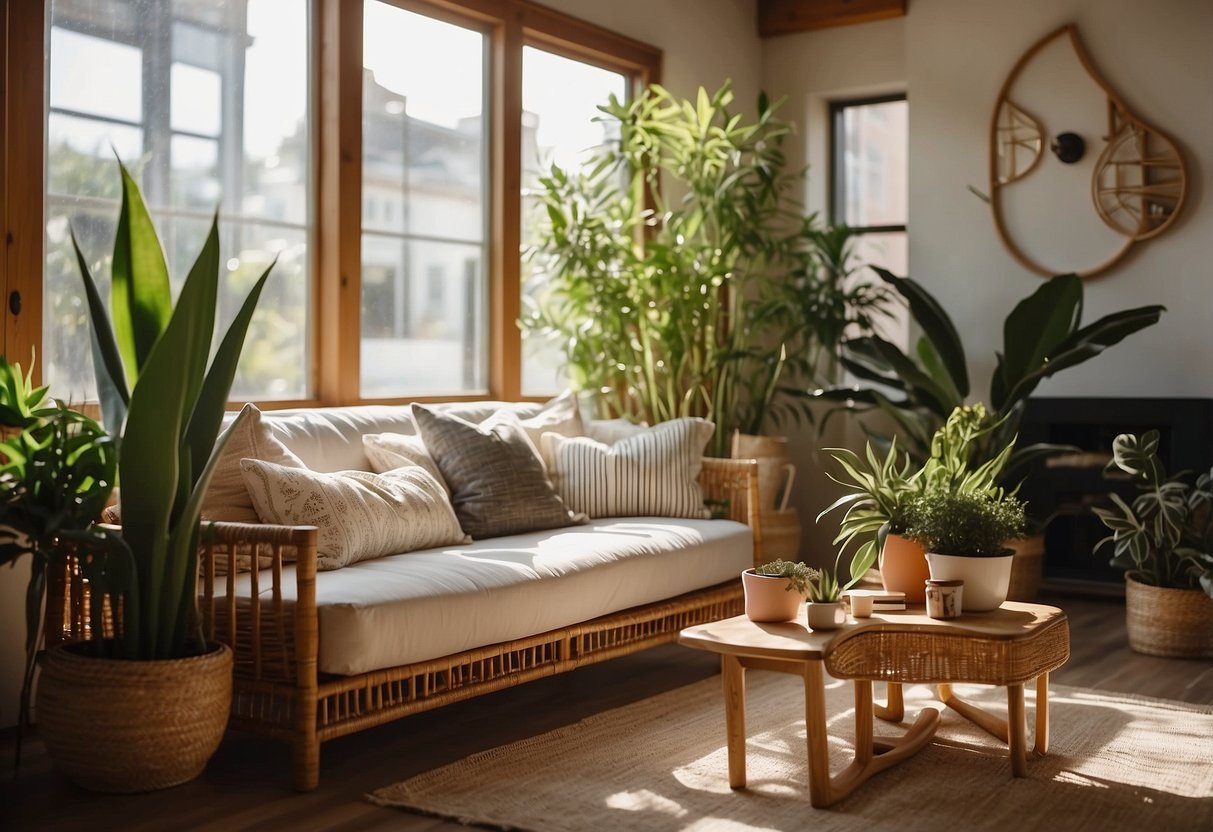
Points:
x=652, y=474
x=560, y=415
x=498, y=484
x=389, y=451
x=359, y=515
x=251, y=438
x=610, y=431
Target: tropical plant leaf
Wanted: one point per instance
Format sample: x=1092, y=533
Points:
x=142, y=300
x=1037, y=326
x=107, y=360
x=935, y=324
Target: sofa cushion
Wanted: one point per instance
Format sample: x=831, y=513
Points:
x=329, y=439
x=655, y=472
x=389, y=451
x=359, y=515
x=424, y=605
x=226, y=497
x=498, y=483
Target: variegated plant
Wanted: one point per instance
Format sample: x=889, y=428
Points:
x=163, y=395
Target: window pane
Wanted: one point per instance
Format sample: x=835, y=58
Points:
x=423, y=317
x=873, y=175
x=225, y=127
x=560, y=99
x=424, y=157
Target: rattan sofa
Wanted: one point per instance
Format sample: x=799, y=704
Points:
x=274, y=630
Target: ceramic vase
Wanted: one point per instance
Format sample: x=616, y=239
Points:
x=986, y=580
x=768, y=599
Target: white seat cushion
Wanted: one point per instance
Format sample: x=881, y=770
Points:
x=427, y=604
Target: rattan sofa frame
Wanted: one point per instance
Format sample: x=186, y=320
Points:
x=278, y=691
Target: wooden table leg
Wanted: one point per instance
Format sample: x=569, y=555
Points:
x=733, y=675
x=1016, y=728
x=820, y=794
x=895, y=709
x=1042, y=714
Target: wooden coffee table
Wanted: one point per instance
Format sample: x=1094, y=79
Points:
x=1010, y=646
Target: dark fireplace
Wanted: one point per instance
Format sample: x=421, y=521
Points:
x=1069, y=485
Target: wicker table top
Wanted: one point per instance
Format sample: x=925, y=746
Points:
x=1012, y=644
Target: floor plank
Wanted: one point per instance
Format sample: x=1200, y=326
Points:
x=247, y=785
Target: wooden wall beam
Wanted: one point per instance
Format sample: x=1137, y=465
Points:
x=785, y=17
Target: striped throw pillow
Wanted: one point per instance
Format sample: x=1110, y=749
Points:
x=652, y=474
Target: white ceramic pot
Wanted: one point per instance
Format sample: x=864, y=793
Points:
x=986, y=579
x=825, y=615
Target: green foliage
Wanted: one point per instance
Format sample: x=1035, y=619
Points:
x=799, y=576
x=156, y=389
x=970, y=523
x=658, y=269
x=1166, y=534
x=57, y=469
x=1042, y=335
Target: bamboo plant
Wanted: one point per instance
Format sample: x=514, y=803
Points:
x=161, y=397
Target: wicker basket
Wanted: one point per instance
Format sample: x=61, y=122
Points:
x=1177, y=623
x=132, y=726
x=1026, y=568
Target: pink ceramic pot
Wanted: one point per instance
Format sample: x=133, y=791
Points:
x=768, y=599
x=903, y=568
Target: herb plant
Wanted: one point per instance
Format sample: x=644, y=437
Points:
x=968, y=523
x=799, y=576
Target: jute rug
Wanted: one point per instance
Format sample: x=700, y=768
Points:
x=1115, y=762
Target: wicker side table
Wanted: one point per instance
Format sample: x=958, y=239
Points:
x=1011, y=646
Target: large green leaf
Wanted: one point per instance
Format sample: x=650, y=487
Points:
x=1034, y=331
x=107, y=361
x=936, y=325
x=208, y=411
x=142, y=299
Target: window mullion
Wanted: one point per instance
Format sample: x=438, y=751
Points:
x=505, y=346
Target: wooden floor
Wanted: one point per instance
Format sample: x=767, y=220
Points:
x=247, y=784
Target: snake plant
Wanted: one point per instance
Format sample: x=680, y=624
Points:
x=163, y=394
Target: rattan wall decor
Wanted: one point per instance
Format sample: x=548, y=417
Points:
x=1139, y=181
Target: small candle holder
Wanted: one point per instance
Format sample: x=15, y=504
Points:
x=944, y=598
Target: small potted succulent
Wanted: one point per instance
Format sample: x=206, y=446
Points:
x=825, y=600
x=965, y=534
x=774, y=591
x=1164, y=541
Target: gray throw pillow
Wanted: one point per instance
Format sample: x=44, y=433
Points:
x=497, y=481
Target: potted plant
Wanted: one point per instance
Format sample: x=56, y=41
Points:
x=774, y=591
x=1164, y=541
x=915, y=390
x=965, y=534
x=57, y=469
x=147, y=708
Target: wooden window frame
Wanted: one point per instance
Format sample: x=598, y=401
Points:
x=336, y=125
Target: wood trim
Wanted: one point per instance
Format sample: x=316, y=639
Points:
x=505, y=281
x=785, y=17
x=580, y=40
x=339, y=190
x=24, y=38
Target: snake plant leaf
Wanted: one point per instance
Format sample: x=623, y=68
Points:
x=107, y=361
x=208, y=411
x=936, y=325
x=141, y=306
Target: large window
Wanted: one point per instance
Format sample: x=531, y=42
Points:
x=206, y=101
x=560, y=98
x=869, y=177
x=383, y=150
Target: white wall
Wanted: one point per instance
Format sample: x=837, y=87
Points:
x=1157, y=56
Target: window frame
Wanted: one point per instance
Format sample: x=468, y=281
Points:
x=837, y=177
x=335, y=50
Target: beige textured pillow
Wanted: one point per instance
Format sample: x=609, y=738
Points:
x=652, y=474
x=359, y=515
x=389, y=451
x=227, y=498
x=560, y=415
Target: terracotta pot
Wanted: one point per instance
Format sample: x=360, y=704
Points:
x=132, y=726
x=986, y=579
x=903, y=568
x=1027, y=567
x=1176, y=623
x=825, y=615
x=767, y=598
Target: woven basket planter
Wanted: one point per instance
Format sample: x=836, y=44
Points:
x=1176, y=623
x=132, y=726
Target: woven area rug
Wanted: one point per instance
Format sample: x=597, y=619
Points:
x=1115, y=762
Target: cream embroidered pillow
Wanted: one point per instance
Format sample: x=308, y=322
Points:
x=389, y=451
x=226, y=497
x=652, y=474
x=359, y=515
